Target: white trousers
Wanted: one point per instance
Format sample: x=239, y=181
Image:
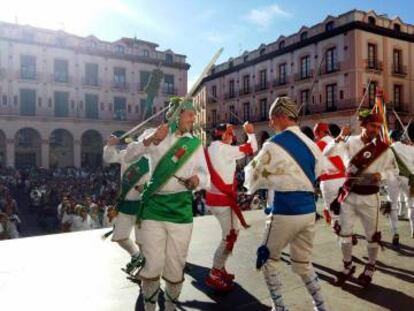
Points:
x=165, y=248
x=364, y=207
x=297, y=231
x=397, y=189
x=124, y=224
x=226, y=218
x=329, y=190
x=408, y=199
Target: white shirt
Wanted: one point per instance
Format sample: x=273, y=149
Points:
x=67, y=218
x=224, y=156
x=112, y=155
x=195, y=165
x=106, y=222
x=385, y=164
x=275, y=169
x=406, y=154
x=79, y=224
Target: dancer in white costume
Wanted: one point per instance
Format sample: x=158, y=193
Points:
x=368, y=161
x=177, y=167
x=329, y=183
x=403, y=185
x=221, y=199
x=133, y=177
x=288, y=165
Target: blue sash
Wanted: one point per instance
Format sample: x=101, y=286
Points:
x=295, y=202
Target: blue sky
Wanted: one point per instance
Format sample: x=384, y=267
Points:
x=195, y=28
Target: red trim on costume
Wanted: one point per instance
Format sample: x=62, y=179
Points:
x=321, y=144
x=229, y=194
x=336, y=162
x=246, y=148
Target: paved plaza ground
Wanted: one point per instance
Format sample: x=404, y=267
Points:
x=78, y=271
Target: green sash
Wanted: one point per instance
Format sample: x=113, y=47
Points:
x=130, y=178
x=168, y=165
x=129, y=207
x=174, y=207
x=404, y=171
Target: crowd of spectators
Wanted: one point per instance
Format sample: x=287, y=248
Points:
x=71, y=199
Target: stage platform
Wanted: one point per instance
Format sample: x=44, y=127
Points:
x=79, y=271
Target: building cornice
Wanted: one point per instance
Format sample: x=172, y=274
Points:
x=71, y=120
x=104, y=54
x=356, y=25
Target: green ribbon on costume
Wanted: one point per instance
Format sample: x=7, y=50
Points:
x=130, y=178
x=165, y=207
x=404, y=171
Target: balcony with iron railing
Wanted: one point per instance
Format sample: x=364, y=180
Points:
x=230, y=95
x=28, y=75
x=258, y=118
x=244, y=91
x=61, y=78
x=337, y=105
x=169, y=90
x=281, y=81
x=304, y=75
x=330, y=68
x=399, y=107
x=399, y=70
x=211, y=100
x=92, y=82
x=262, y=86
x=120, y=85
x=373, y=64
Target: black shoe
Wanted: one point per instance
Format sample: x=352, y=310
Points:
x=364, y=279
x=342, y=277
x=396, y=240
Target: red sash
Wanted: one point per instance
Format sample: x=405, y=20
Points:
x=229, y=193
x=336, y=162
x=360, y=162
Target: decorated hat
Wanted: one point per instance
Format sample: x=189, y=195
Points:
x=366, y=116
x=176, y=106
x=221, y=129
x=321, y=127
x=284, y=106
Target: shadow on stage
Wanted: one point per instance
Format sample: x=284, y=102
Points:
x=237, y=299
x=388, y=298
x=402, y=249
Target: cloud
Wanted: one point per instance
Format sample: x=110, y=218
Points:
x=58, y=15
x=265, y=16
x=65, y=15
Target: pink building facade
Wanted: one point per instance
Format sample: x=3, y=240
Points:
x=344, y=53
x=61, y=95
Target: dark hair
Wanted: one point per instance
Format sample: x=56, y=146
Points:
x=219, y=128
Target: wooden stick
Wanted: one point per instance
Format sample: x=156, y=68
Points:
x=312, y=86
x=136, y=128
x=402, y=124
x=234, y=115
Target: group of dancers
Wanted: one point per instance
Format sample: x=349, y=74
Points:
x=165, y=165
